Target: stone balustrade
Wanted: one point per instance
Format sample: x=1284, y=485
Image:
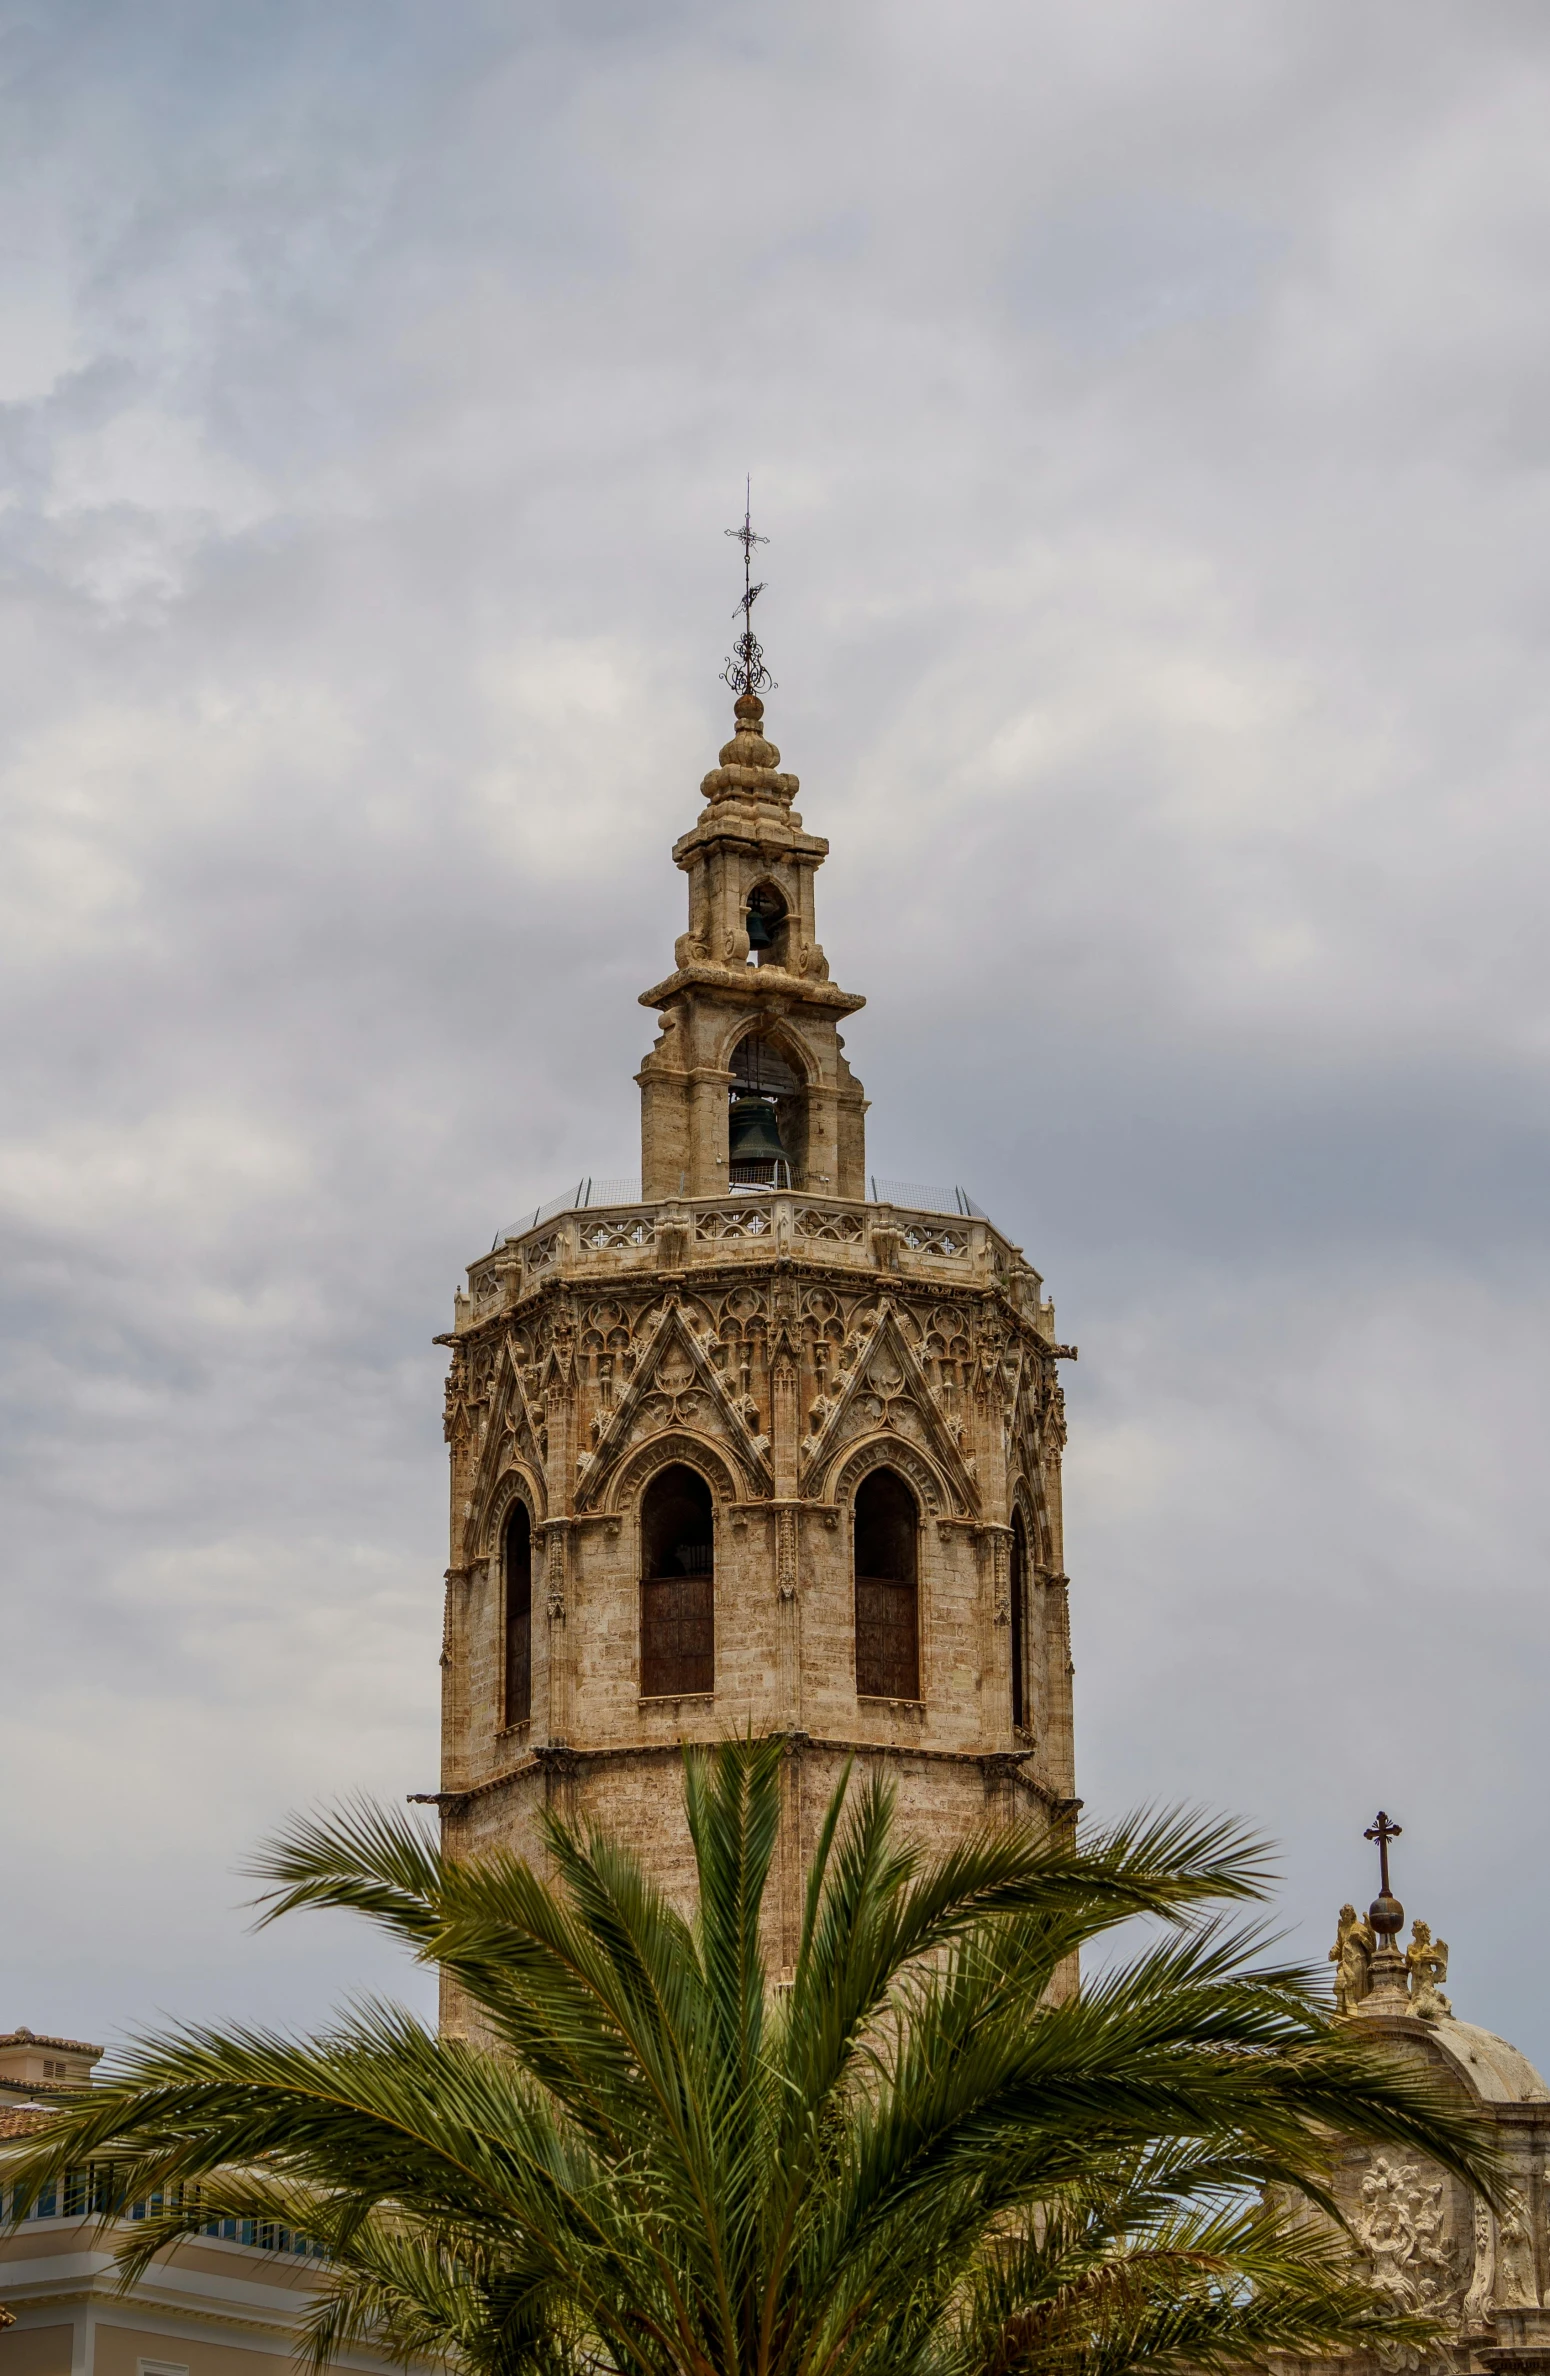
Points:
x=689, y=1234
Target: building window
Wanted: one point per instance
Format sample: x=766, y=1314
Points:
x=519, y=1615
x=1019, y=1621
x=677, y=1587
x=887, y=1589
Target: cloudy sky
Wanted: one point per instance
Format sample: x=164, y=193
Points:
x=1149, y=409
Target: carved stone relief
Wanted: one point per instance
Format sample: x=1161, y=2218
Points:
x=1402, y=2228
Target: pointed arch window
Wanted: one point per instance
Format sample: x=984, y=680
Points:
x=519, y=1615
x=887, y=1588
x=1019, y=1621
x=678, y=1586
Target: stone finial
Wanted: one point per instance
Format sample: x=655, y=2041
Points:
x=1373, y=1973
x=1389, y=1980
x=749, y=762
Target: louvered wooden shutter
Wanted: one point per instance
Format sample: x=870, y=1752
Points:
x=677, y=1635
x=887, y=1639
x=678, y=1587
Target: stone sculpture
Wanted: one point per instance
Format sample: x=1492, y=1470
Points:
x=1517, y=2285
x=1351, y=1956
x=1426, y=1959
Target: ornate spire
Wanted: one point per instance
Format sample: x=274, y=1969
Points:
x=750, y=763
x=745, y=671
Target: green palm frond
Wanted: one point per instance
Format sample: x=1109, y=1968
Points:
x=1101, y=2285
x=363, y=1859
x=926, y=2155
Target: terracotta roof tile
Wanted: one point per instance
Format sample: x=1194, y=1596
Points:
x=20, y=2120
x=27, y=2037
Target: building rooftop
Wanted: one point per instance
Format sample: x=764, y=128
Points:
x=27, y=2037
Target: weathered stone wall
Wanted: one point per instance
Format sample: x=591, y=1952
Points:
x=784, y=1369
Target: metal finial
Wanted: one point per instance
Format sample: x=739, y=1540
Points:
x=1386, y=1914
x=745, y=671
x=1383, y=1831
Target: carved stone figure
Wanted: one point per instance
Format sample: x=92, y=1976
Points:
x=1426, y=1959
x=1482, y=2283
x=1517, y=2285
x=1351, y=1956
x=1384, y=2234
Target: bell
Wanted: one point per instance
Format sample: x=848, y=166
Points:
x=753, y=1135
x=759, y=933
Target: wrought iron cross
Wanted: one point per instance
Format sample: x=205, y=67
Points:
x=1383, y=1831
x=745, y=671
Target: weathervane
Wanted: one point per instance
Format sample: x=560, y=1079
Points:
x=745, y=671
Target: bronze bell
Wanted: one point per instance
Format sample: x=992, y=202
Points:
x=759, y=933
x=753, y=1134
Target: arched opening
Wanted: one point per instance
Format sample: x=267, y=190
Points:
x=1019, y=1621
x=768, y=924
x=677, y=1585
x=887, y=1589
x=519, y=1614
x=767, y=1118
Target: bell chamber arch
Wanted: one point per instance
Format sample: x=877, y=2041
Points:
x=767, y=1130
x=887, y=1583
x=677, y=1585
x=767, y=921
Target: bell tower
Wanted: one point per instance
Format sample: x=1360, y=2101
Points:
x=747, y=1084
x=746, y=1445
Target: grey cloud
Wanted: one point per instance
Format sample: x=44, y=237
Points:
x=1145, y=406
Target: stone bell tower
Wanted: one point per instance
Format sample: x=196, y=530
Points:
x=749, y=1446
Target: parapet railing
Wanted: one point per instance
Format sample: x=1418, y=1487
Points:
x=589, y=1193
x=577, y=1237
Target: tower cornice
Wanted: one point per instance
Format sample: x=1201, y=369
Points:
x=766, y=987
x=741, y=827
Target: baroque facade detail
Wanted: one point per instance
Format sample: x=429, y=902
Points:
x=756, y=1448
x=1420, y=2237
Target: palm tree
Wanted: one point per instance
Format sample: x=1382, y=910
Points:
x=924, y=2154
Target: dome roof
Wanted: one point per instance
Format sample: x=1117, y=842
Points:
x=1490, y=2068
x=1493, y=2068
